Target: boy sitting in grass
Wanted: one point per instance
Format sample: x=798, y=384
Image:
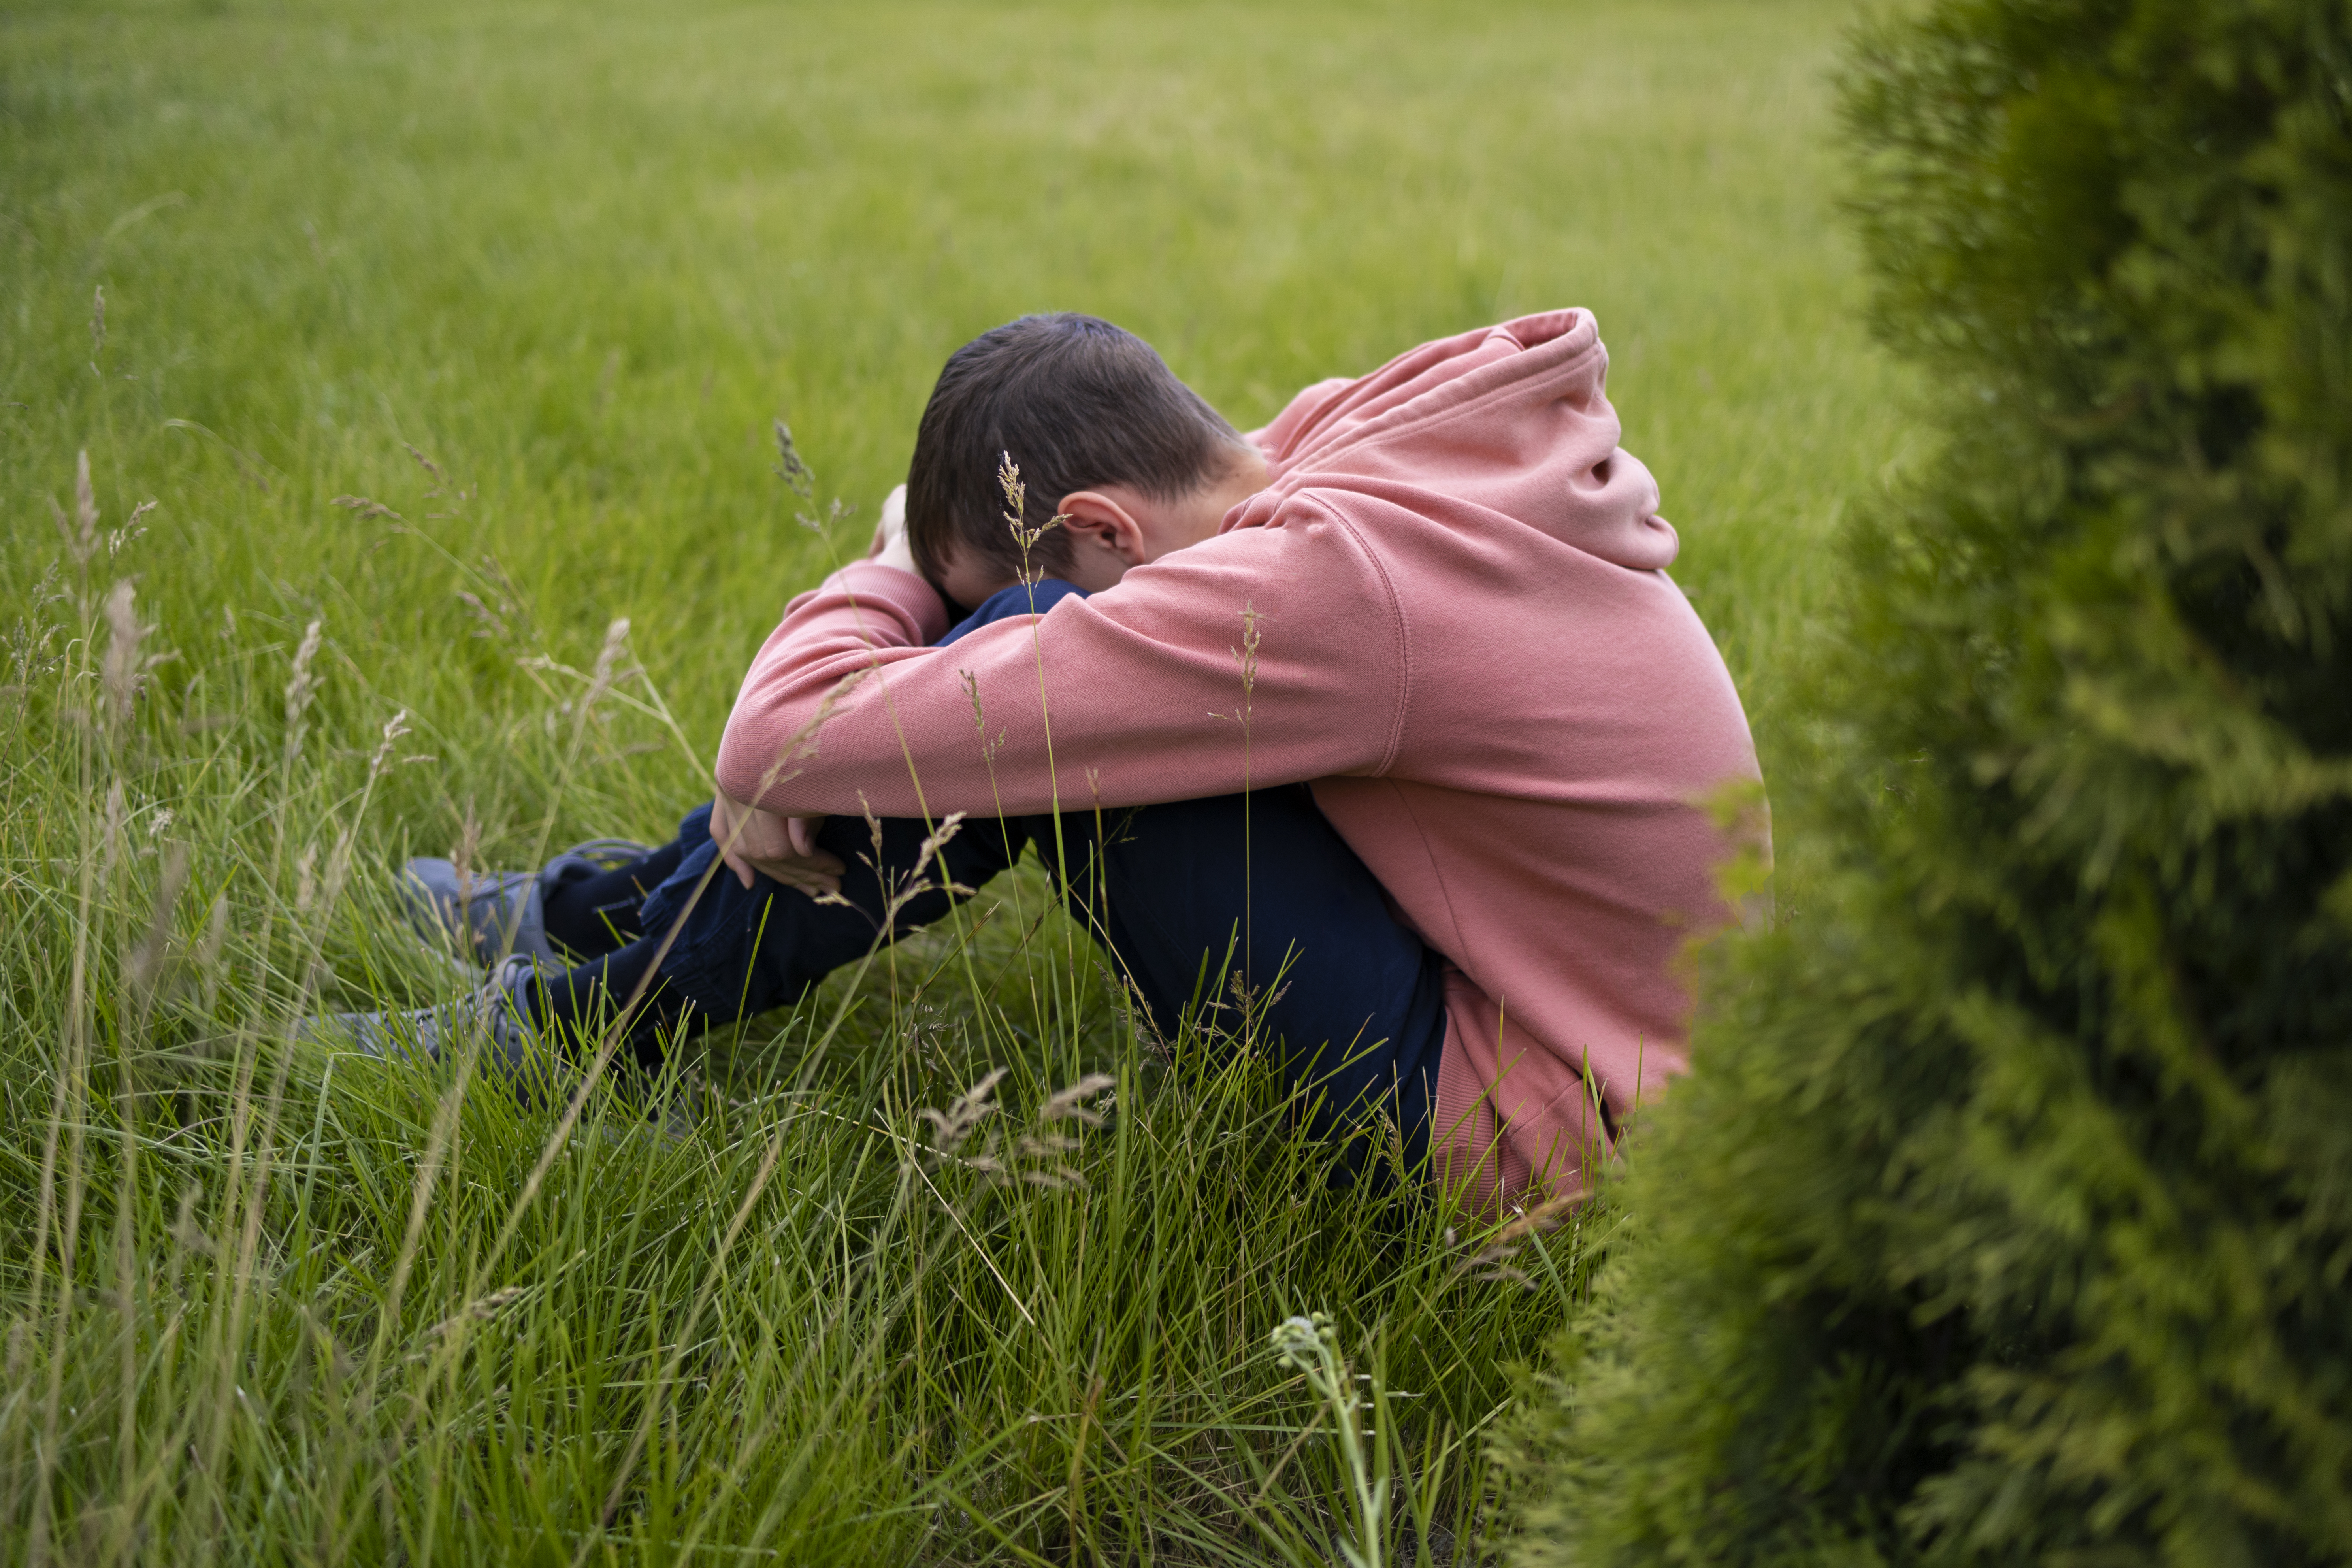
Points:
x=1385, y=718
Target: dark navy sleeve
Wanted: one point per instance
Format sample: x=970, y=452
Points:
x=1021, y=599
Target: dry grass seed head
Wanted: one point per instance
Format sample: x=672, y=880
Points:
x=988, y=748
x=478, y=1311
x=796, y=474
x=952, y=1127
x=972, y=689
x=209, y=951
x=123, y=666
x=431, y=468
x=608, y=669
x=935, y=841
x=394, y=728
x=145, y=967
x=118, y=818
x=301, y=686
x=1492, y=1264
x=1071, y=1102
x=80, y=532
x=512, y=605
x=491, y=624
x=368, y=510
x=462, y=853
x=1016, y=504
x=131, y=532
x=925, y=1030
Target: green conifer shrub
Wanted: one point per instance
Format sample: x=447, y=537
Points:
x=2008, y=1214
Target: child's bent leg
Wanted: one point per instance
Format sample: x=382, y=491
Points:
x=596, y=913
x=711, y=951
x=1196, y=891
x=1186, y=896
x=580, y=1004
x=781, y=942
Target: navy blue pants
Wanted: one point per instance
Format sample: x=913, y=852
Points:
x=1352, y=1001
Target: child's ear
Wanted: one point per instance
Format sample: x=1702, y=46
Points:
x=1102, y=523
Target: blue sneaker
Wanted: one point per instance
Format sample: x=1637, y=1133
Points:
x=502, y=1010
x=481, y=919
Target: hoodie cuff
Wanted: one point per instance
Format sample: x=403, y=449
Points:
x=916, y=600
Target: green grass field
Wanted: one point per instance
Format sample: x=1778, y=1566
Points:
x=522, y=289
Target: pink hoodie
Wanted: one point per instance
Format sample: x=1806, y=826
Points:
x=1468, y=645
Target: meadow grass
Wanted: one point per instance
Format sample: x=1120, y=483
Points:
x=459, y=333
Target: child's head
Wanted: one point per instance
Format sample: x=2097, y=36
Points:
x=1078, y=404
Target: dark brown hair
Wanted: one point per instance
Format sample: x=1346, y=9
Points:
x=1076, y=403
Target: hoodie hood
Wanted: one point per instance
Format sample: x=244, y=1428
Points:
x=1510, y=419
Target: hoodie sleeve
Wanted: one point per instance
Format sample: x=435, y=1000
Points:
x=1269, y=655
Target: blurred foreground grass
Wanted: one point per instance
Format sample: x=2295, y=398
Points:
x=522, y=289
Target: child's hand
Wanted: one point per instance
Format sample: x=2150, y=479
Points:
x=781, y=849
x=890, y=547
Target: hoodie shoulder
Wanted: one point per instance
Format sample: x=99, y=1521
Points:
x=1437, y=374
x=1302, y=413
x=1512, y=421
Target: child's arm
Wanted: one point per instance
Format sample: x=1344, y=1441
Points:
x=1270, y=655
x=785, y=848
